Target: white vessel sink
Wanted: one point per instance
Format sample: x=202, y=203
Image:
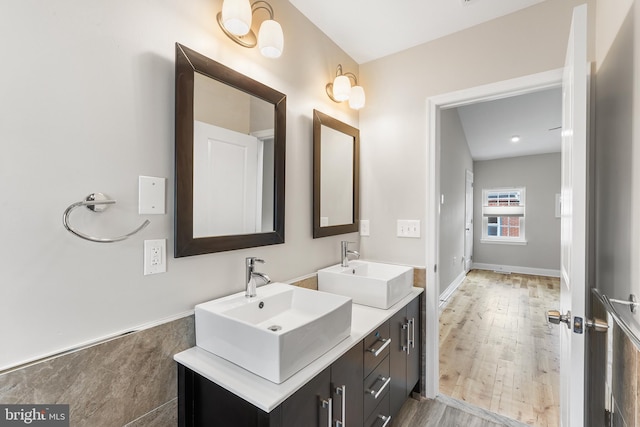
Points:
x=276, y=333
x=368, y=283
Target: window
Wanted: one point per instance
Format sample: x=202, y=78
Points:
x=503, y=215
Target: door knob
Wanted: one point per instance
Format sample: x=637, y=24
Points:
x=555, y=317
x=597, y=325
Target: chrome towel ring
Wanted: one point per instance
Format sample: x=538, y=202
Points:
x=96, y=202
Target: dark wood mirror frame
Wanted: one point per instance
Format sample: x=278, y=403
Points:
x=189, y=62
x=319, y=120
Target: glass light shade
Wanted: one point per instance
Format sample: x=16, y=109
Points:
x=341, y=88
x=357, y=98
x=236, y=16
x=270, y=39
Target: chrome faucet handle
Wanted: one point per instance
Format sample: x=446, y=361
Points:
x=250, y=261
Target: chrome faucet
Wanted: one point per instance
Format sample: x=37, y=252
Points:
x=252, y=275
x=345, y=252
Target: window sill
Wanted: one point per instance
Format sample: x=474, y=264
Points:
x=503, y=241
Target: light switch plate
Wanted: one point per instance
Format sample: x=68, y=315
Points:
x=151, y=198
x=364, y=227
x=408, y=228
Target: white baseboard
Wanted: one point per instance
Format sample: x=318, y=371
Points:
x=446, y=294
x=515, y=269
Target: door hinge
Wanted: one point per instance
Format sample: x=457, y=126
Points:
x=435, y=268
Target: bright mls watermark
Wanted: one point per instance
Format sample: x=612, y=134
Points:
x=34, y=415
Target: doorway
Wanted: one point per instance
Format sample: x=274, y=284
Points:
x=523, y=85
x=495, y=353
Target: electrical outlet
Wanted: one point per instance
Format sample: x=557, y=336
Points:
x=155, y=256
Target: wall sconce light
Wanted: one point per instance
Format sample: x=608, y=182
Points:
x=235, y=21
x=341, y=90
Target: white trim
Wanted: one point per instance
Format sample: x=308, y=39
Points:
x=492, y=91
x=453, y=286
x=503, y=241
x=503, y=210
x=516, y=269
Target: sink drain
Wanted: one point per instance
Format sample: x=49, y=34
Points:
x=274, y=328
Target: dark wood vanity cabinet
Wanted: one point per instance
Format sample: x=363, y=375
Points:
x=203, y=403
x=404, y=356
x=365, y=387
x=337, y=389
x=346, y=388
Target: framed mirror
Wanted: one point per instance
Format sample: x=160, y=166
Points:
x=230, y=158
x=336, y=172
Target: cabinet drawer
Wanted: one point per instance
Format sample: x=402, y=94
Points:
x=376, y=386
x=380, y=416
x=376, y=347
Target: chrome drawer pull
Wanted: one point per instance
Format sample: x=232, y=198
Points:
x=405, y=327
x=385, y=419
x=342, y=391
x=376, y=394
x=328, y=404
x=377, y=352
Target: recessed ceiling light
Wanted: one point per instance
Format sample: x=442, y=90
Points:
x=515, y=138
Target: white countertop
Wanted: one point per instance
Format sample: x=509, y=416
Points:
x=263, y=393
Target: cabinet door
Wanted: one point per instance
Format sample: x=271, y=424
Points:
x=347, y=389
x=305, y=407
x=413, y=358
x=405, y=353
x=203, y=403
x=398, y=361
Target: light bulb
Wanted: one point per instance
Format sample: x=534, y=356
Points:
x=236, y=16
x=357, y=98
x=270, y=39
x=341, y=88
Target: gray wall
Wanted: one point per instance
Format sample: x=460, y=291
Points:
x=614, y=160
x=540, y=175
x=90, y=107
x=393, y=124
x=455, y=159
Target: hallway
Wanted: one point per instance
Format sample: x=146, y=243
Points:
x=496, y=351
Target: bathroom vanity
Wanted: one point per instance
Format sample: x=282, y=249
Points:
x=362, y=381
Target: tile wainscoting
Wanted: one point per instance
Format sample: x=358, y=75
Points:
x=624, y=383
x=130, y=380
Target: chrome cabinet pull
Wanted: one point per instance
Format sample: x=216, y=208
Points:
x=377, y=352
x=375, y=393
x=405, y=327
x=412, y=322
x=386, y=419
x=342, y=391
x=328, y=404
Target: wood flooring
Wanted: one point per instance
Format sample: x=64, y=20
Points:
x=448, y=412
x=496, y=350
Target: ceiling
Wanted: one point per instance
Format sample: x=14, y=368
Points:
x=535, y=117
x=370, y=29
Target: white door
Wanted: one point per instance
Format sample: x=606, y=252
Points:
x=227, y=172
x=573, y=223
x=468, y=221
